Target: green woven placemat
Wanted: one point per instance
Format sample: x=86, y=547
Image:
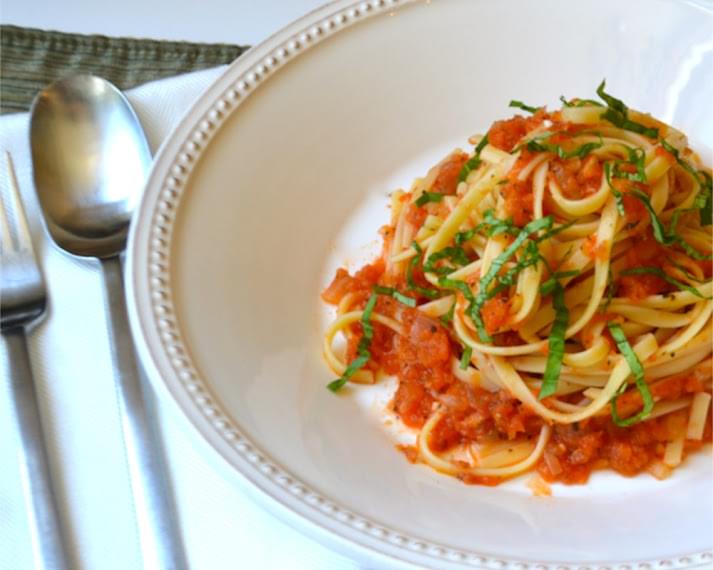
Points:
x=30, y=59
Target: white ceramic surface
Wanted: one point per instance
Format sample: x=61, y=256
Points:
x=280, y=172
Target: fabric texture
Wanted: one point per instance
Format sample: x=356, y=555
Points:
x=31, y=58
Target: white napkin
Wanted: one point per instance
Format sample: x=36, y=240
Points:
x=222, y=526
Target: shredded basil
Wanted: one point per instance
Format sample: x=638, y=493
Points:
x=618, y=115
x=491, y=225
x=636, y=158
x=521, y=105
x=497, y=264
x=494, y=226
x=684, y=164
x=543, y=136
x=465, y=358
x=548, y=286
x=391, y=292
x=662, y=275
x=464, y=288
x=464, y=236
x=473, y=162
x=614, y=170
x=685, y=271
x=618, y=196
x=427, y=197
x=362, y=347
x=668, y=238
x=580, y=102
x=554, y=231
x=530, y=257
x=454, y=254
x=425, y=292
x=535, y=145
x=611, y=288
x=448, y=317
x=555, y=352
x=656, y=226
x=703, y=200
x=706, y=210
x=637, y=370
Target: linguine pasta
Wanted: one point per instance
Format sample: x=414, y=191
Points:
x=545, y=301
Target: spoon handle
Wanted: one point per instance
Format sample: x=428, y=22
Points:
x=158, y=533
x=47, y=545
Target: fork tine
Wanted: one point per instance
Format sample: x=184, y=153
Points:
x=23, y=231
x=4, y=220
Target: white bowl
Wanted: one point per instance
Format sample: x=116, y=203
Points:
x=280, y=172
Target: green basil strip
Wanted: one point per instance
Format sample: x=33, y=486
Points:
x=637, y=370
x=618, y=115
x=618, y=196
x=362, y=347
x=491, y=225
x=447, y=319
x=404, y=299
x=548, y=286
x=521, y=105
x=628, y=125
x=464, y=236
x=554, y=231
x=706, y=210
x=656, y=226
x=690, y=251
x=391, y=292
x=555, y=352
x=684, y=164
x=668, y=238
x=454, y=254
x=579, y=152
x=464, y=288
x=703, y=201
x=660, y=273
x=428, y=293
x=494, y=226
x=531, y=257
x=611, y=287
x=427, y=197
x=465, y=358
x=612, y=102
x=580, y=102
x=637, y=157
x=685, y=271
x=543, y=136
x=473, y=162
x=497, y=264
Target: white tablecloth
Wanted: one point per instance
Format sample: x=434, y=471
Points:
x=222, y=526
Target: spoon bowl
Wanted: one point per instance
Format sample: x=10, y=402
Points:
x=91, y=159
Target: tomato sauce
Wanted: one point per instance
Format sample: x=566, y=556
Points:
x=594, y=249
x=446, y=180
x=519, y=201
x=506, y=134
x=576, y=177
x=415, y=215
x=495, y=312
x=644, y=252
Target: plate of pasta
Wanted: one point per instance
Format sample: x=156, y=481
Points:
x=447, y=303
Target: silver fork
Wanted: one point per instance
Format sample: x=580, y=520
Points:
x=23, y=298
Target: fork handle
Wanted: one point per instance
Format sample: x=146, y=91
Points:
x=158, y=533
x=46, y=537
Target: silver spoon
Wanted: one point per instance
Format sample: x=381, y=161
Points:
x=90, y=160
